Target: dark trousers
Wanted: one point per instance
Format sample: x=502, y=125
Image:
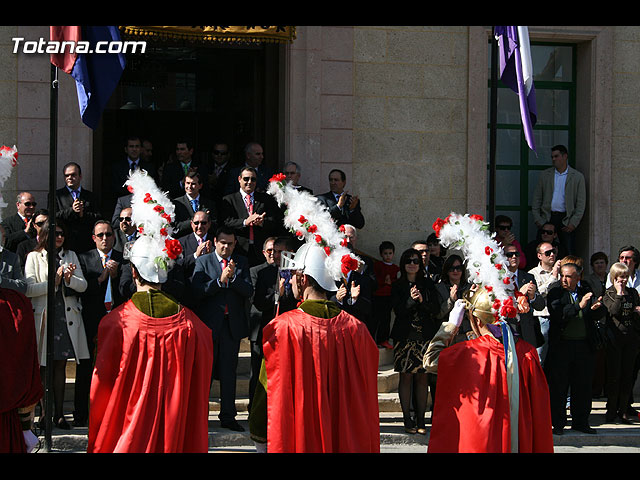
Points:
x=570, y=364
x=256, y=364
x=381, y=318
x=225, y=365
x=621, y=359
x=84, y=372
x=566, y=239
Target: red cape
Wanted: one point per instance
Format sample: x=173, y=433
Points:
x=20, y=383
x=322, y=385
x=472, y=408
x=150, y=386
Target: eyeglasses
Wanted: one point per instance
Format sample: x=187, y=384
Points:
x=512, y=254
x=504, y=227
x=103, y=234
x=199, y=222
x=548, y=253
x=548, y=232
x=59, y=233
x=249, y=179
x=456, y=268
x=220, y=152
x=30, y=204
x=125, y=219
x=415, y=261
x=39, y=224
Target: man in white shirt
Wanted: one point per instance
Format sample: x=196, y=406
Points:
x=560, y=198
x=547, y=275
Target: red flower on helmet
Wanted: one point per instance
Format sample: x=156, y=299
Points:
x=312, y=229
x=349, y=264
x=302, y=219
x=477, y=218
x=147, y=198
x=488, y=250
x=173, y=248
x=318, y=239
x=437, y=225
x=278, y=177
x=327, y=250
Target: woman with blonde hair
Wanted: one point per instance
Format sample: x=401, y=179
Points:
x=69, y=338
x=623, y=321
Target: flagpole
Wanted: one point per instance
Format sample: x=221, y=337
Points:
x=51, y=257
x=493, y=126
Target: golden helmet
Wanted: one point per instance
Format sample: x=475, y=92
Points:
x=479, y=303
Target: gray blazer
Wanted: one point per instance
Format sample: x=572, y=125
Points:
x=575, y=197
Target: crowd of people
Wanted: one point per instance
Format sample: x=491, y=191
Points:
x=584, y=319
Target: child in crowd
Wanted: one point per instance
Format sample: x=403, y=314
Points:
x=386, y=273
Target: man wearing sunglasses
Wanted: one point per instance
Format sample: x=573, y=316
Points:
x=528, y=327
x=19, y=227
x=254, y=216
x=101, y=266
x=505, y=237
x=127, y=231
x=219, y=170
x=547, y=275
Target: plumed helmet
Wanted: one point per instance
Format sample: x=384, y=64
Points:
x=479, y=303
x=311, y=260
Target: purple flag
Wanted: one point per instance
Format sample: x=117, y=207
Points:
x=516, y=72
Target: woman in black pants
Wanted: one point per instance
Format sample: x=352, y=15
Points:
x=415, y=305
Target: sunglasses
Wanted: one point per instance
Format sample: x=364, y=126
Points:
x=504, y=227
x=59, y=233
x=39, y=224
x=512, y=254
x=30, y=204
x=415, y=261
x=249, y=179
x=125, y=219
x=199, y=222
x=103, y=234
x=220, y=152
x=549, y=252
x=457, y=268
x=548, y=232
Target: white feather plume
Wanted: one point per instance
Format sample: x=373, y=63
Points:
x=8, y=160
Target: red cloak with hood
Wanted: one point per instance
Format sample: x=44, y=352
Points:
x=150, y=386
x=322, y=385
x=20, y=383
x=472, y=404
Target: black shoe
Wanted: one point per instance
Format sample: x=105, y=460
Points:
x=558, y=430
x=61, y=423
x=232, y=425
x=624, y=420
x=79, y=422
x=585, y=429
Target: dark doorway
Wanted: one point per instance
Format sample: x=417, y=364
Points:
x=207, y=93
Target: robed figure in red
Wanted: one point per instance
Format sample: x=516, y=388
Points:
x=321, y=368
x=151, y=380
x=474, y=407
x=20, y=382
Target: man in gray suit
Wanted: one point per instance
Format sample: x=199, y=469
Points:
x=560, y=198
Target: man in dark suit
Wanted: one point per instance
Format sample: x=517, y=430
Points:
x=133, y=161
x=222, y=283
x=219, y=171
x=19, y=227
x=253, y=157
x=252, y=215
x=343, y=207
x=126, y=231
x=173, y=173
x=571, y=356
x=77, y=208
x=122, y=202
x=292, y=171
x=264, y=278
x=197, y=243
x=192, y=201
x=528, y=327
x=101, y=267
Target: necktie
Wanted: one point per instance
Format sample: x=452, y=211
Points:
x=194, y=205
x=224, y=265
x=107, y=295
x=75, y=194
x=186, y=168
x=250, y=210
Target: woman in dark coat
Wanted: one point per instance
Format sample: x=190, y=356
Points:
x=415, y=304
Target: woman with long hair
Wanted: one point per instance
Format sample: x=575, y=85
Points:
x=69, y=338
x=453, y=283
x=415, y=305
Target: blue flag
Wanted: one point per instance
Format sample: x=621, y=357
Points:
x=97, y=74
x=516, y=72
